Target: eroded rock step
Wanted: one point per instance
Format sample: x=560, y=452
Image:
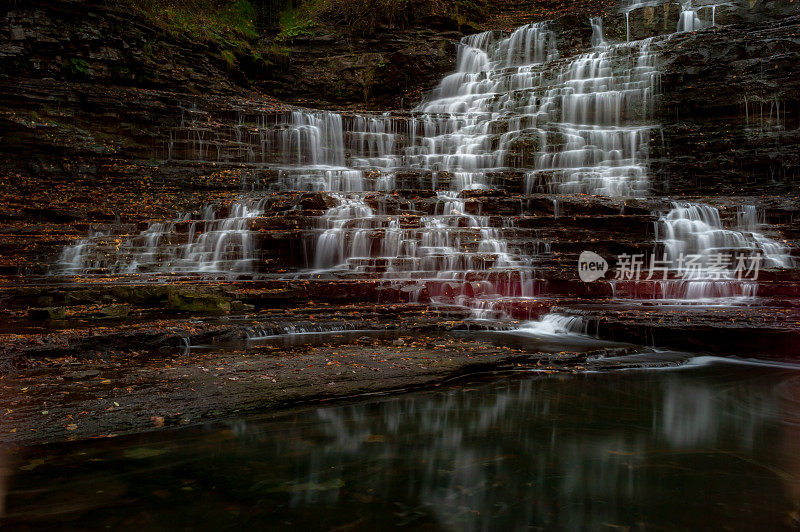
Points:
x=103, y=318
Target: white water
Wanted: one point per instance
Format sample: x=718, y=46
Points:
x=200, y=244
x=598, y=39
x=689, y=19
x=692, y=229
x=696, y=15
x=551, y=325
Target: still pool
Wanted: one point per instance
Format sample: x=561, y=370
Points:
x=713, y=444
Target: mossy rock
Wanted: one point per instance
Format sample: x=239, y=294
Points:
x=190, y=301
x=47, y=313
x=115, y=311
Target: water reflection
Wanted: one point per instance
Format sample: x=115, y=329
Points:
x=707, y=446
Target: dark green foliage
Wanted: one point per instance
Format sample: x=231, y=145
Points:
x=294, y=23
x=367, y=16
x=231, y=23
x=78, y=66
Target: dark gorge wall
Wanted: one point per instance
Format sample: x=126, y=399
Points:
x=730, y=110
x=96, y=42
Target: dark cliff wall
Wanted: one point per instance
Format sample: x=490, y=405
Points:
x=731, y=110
x=386, y=71
x=92, y=41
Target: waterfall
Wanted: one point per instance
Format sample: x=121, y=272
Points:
x=597, y=32
x=206, y=244
x=568, y=125
x=350, y=218
x=606, y=98
x=574, y=125
x=583, y=124
x=689, y=20
x=450, y=255
x=555, y=325
x=298, y=137
x=749, y=218
x=579, y=125
x=696, y=231
x=74, y=259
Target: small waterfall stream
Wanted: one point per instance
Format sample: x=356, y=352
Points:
x=689, y=20
x=707, y=256
x=206, y=243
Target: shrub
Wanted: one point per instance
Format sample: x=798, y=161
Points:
x=76, y=65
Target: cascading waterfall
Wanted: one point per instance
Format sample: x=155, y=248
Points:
x=299, y=137
x=606, y=97
x=450, y=255
x=580, y=125
x=750, y=218
x=555, y=325
x=574, y=125
x=696, y=230
x=689, y=18
x=333, y=246
x=206, y=244
x=75, y=259
x=597, y=32
x=504, y=96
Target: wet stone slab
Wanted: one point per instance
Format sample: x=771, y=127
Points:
x=67, y=398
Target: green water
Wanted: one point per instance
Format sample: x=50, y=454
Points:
x=702, y=447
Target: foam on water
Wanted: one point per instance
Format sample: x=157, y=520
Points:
x=701, y=361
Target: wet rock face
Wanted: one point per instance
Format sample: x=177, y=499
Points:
x=730, y=110
x=90, y=41
x=390, y=70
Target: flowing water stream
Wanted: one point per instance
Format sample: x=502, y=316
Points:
x=712, y=259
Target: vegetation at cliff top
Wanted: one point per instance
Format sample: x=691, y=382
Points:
x=228, y=22
x=366, y=16
x=235, y=23
x=261, y=30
